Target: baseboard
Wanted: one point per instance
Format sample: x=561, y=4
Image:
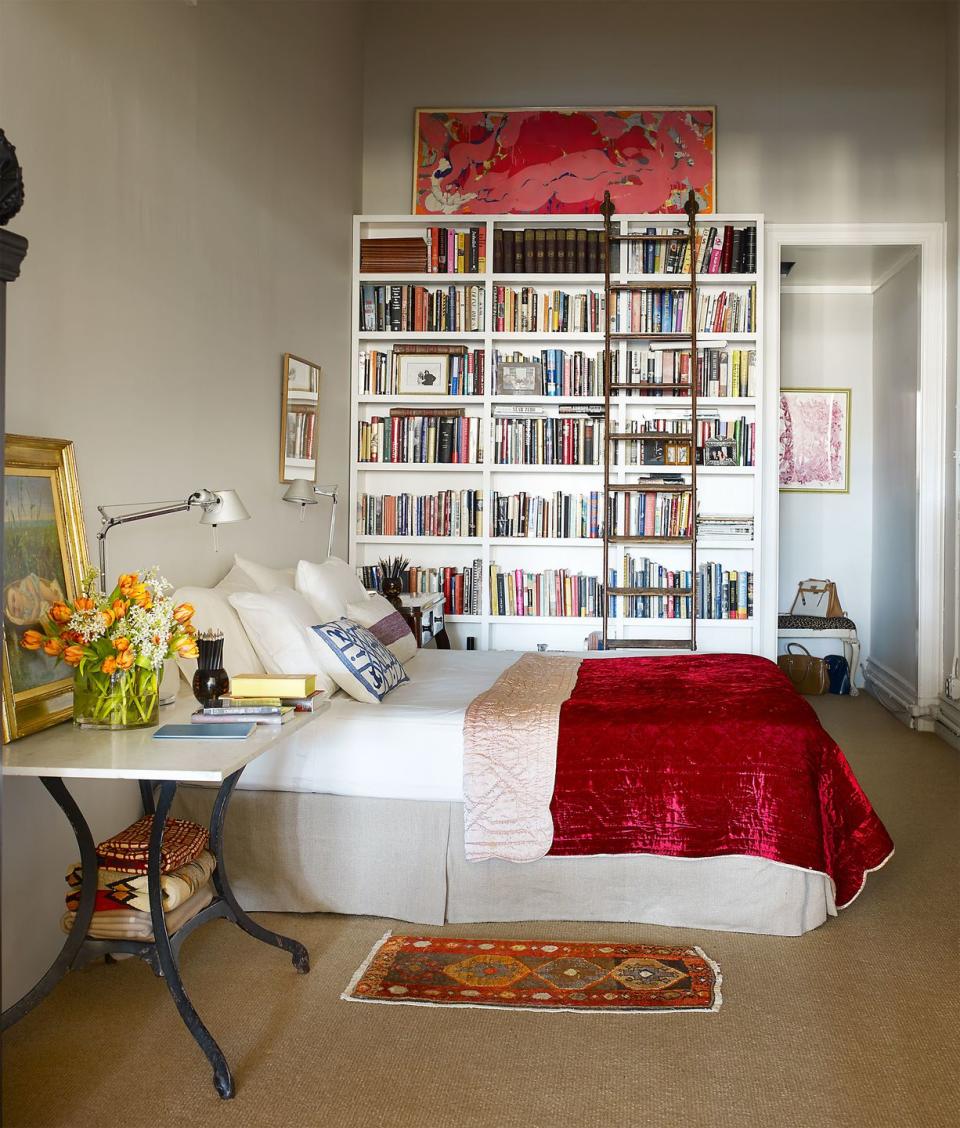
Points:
x=897, y=696
x=947, y=724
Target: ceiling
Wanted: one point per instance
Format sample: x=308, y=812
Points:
x=844, y=266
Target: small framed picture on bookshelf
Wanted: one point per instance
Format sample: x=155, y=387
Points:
x=720, y=452
x=520, y=378
x=422, y=374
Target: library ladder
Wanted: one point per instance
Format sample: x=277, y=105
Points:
x=614, y=439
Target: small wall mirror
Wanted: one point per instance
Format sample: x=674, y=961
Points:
x=300, y=391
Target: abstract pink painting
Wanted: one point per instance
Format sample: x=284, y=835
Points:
x=815, y=439
x=526, y=161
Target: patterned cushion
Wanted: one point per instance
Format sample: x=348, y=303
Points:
x=385, y=623
x=360, y=664
x=815, y=623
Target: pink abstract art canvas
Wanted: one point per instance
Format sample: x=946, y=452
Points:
x=814, y=439
x=526, y=161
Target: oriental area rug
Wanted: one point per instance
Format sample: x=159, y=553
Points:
x=537, y=975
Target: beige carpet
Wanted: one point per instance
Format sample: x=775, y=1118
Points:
x=851, y=1026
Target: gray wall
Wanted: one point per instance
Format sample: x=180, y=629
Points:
x=190, y=176
x=825, y=111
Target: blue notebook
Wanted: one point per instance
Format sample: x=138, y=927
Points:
x=237, y=730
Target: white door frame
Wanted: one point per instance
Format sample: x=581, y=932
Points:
x=933, y=416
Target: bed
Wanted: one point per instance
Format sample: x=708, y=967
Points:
x=361, y=810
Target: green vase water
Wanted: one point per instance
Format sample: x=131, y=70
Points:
x=124, y=700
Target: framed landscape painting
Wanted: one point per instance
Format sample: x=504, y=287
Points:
x=44, y=560
x=815, y=440
x=562, y=160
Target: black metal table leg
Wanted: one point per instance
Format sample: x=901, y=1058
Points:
x=88, y=891
x=300, y=955
x=222, y=1080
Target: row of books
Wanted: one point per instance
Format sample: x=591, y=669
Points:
x=719, y=593
x=440, y=250
x=564, y=373
x=716, y=250
x=726, y=526
x=548, y=441
x=652, y=513
x=449, y=513
x=379, y=371
x=668, y=311
x=720, y=372
x=301, y=426
x=419, y=435
x=526, y=310
x=547, y=250
x=421, y=309
x=560, y=515
x=554, y=592
x=263, y=699
x=461, y=587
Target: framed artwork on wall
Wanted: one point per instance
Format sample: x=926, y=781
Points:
x=815, y=440
x=562, y=160
x=300, y=393
x=44, y=561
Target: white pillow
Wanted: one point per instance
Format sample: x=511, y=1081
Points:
x=329, y=587
x=357, y=662
x=278, y=625
x=385, y=623
x=265, y=579
x=211, y=610
x=236, y=580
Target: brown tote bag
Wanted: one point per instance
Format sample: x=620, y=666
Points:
x=808, y=674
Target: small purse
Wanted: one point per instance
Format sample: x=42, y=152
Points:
x=807, y=674
x=818, y=599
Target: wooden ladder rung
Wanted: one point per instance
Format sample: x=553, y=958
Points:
x=658, y=238
x=623, y=436
x=649, y=644
x=648, y=487
x=630, y=286
x=651, y=337
x=648, y=591
x=639, y=538
x=648, y=385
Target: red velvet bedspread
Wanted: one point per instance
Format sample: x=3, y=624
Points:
x=705, y=755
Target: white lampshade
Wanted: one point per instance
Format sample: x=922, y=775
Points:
x=301, y=491
x=227, y=509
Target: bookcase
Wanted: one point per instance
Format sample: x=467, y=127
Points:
x=531, y=441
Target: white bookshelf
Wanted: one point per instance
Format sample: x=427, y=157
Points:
x=721, y=489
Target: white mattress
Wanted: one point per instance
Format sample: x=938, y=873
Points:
x=408, y=747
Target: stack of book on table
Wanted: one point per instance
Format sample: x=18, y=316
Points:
x=264, y=699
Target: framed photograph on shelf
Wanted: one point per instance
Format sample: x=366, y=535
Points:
x=560, y=159
x=815, y=440
x=44, y=561
x=300, y=394
x=520, y=378
x=720, y=452
x=422, y=374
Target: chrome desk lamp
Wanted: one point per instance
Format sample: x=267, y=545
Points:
x=304, y=493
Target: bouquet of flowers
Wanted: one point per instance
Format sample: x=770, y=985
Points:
x=117, y=644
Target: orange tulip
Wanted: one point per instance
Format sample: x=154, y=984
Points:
x=54, y=647
x=125, y=660
x=119, y=608
x=82, y=603
x=73, y=655
x=121, y=644
x=107, y=615
x=32, y=640
x=188, y=650
x=183, y=613
x=127, y=580
x=109, y=665
x=60, y=613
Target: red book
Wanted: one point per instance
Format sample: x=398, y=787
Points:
x=726, y=253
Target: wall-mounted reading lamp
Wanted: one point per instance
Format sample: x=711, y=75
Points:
x=304, y=493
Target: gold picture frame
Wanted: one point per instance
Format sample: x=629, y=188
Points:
x=299, y=405
x=44, y=559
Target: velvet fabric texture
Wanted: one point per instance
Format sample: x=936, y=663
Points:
x=707, y=755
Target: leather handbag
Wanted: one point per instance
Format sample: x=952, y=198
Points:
x=838, y=673
x=807, y=674
x=817, y=598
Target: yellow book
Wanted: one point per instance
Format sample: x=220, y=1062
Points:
x=273, y=685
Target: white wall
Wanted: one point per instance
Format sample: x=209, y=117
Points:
x=826, y=341
x=896, y=376
x=825, y=111
x=190, y=176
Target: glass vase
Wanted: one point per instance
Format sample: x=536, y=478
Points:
x=124, y=700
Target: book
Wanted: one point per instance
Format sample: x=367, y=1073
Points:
x=251, y=707
x=203, y=717
x=237, y=730
x=272, y=685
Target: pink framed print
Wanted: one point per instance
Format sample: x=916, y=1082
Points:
x=562, y=160
x=815, y=440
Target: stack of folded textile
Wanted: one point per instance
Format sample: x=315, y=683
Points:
x=122, y=905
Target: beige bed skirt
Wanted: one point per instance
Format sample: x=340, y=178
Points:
x=404, y=859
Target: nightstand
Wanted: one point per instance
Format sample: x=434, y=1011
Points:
x=424, y=613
